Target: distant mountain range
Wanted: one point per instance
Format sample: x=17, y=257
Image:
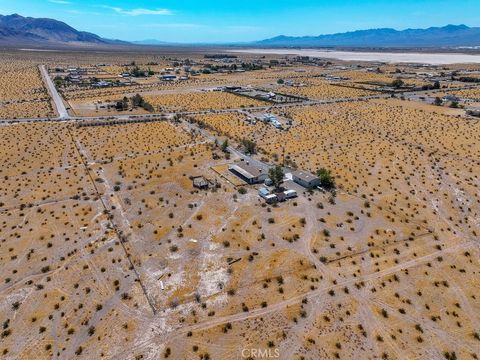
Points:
x=150, y=42
x=19, y=30
x=16, y=30
x=447, y=36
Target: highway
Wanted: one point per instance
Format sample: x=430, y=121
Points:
x=57, y=99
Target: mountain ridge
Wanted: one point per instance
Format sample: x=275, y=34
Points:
x=446, y=36
x=17, y=29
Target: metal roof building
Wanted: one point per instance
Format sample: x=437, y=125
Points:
x=249, y=173
x=305, y=179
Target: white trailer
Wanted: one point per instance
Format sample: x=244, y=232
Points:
x=290, y=194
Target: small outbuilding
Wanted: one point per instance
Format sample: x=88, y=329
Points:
x=168, y=77
x=200, y=183
x=451, y=98
x=306, y=179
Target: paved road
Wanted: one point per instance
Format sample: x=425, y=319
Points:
x=61, y=108
x=64, y=116
x=57, y=99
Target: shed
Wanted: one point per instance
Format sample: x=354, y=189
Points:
x=200, y=182
x=451, y=98
x=168, y=77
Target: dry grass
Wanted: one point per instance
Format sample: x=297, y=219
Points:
x=200, y=101
x=323, y=90
x=107, y=250
x=22, y=93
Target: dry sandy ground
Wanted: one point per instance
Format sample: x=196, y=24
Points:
x=107, y=250
x=22, y=92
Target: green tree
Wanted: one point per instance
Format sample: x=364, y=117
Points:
x=148, y=107
x=137, y=100
x=326, y=178
x=250, y=146
x=58, y=81
x=397, y=83
x=280, y=81
x=454, y=105
x=436, y=85
x=224, y=146
x=438, y=101
x=136, y=72
x=276, y=175
x=125, y=103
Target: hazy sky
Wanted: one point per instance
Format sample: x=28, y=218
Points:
x=243, y=20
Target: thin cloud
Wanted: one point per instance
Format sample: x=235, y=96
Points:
x=61, y=2
x=140, y=11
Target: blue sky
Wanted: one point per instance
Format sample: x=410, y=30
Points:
x=242, y=20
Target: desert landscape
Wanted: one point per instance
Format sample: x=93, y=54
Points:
x=22, y=93
x=216, y=205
